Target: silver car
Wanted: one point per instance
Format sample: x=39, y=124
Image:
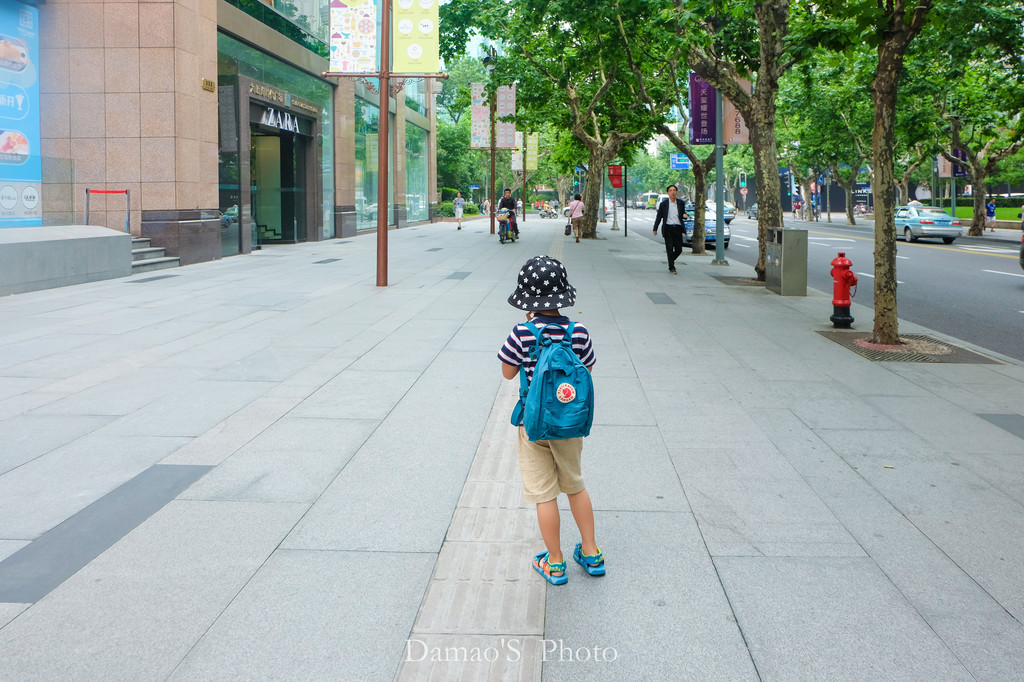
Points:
x=926, y=222
x=728, y=212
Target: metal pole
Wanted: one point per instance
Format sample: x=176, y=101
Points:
x=719, y=185
x=383, y=148
x=128, y=211
x=494, y=200
x=625, y=201
x=86, y=205
x=524, y=177
x=828, y=194
x=952, y=195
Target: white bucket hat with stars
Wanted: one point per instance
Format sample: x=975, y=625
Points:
x=543, y=285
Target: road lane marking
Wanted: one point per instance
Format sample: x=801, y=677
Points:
x=903, y=257
x=743, y=246
x=986, y=249
x=999, y=272
x=864, y=274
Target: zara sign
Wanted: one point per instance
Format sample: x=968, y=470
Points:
x=282, y=120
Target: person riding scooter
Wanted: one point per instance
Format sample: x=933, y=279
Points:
x=508, y=202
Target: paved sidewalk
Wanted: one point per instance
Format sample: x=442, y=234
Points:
x=268, y=468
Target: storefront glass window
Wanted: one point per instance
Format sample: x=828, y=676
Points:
x=366, y=143
x=417, y=203
x=238, y=59
x=416, y=95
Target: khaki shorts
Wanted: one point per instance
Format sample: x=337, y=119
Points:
x=549, y=467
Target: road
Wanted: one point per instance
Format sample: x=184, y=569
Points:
x=972, y=289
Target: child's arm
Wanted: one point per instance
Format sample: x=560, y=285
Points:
x=510, y=371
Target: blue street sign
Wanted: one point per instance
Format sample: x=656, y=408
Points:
x=679, y=162
x=474, y=186
x=580, y=170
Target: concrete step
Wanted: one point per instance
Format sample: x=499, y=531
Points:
x=140, y=242
x=147, y=253
x=153, y=264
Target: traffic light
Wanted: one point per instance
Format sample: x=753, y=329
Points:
x=743, y=179
x=576, y=182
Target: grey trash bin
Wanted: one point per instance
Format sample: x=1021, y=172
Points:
x=786, y=268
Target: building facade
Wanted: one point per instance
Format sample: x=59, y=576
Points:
x=215, y=116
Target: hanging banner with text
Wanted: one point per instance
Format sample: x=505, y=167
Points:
x=480, y=113
x=21, y=166
x=353, y=31
x=945, y=169
x=734, y=128
x=415, y=36
x=517, y=154
x=702, y=111
x=532, y=151
x=615, y=176
x=506, y=106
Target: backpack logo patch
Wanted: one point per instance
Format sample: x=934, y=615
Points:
x=566, y=393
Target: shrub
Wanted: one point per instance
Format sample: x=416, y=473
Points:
x=446, y=210
x=447, y=193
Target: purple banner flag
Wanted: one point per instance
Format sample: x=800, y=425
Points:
x=702, y=111
x=958, y=170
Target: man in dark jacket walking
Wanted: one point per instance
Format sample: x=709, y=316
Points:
x=671, y=212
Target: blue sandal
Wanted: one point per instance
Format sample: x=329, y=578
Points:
x=541, y=565
x=594, y=565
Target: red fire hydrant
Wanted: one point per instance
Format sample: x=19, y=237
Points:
x=842, y=279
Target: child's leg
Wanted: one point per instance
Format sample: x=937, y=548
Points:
x=583, y=513
x=550, y=527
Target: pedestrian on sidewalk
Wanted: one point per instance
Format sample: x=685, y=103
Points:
x=990, y=215
x=550, y=467
x=672, y=212
x=458, y=205
x=576, y=216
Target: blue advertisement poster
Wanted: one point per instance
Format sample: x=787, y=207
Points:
x=21, y=168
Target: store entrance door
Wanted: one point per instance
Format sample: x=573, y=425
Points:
x=278, y=172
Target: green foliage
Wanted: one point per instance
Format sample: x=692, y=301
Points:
x=446, y=209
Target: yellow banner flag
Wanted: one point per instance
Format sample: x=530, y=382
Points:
x=415, y=36
x=532, y=151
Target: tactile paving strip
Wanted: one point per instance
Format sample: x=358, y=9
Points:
x=482, y=617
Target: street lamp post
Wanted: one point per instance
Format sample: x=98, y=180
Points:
x=489, y=65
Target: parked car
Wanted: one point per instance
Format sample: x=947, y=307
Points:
x=710, y=227
x=752, y=212
x=917, y=222
x=728, y=213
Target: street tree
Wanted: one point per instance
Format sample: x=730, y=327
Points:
x=726, y=44
x=567, y=64
x=985, y=125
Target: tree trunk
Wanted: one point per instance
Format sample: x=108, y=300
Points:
x=886, y=324
x=766, y=174
x=563, y=183
x=978, y=179
x=849, y=206
x=592, y=199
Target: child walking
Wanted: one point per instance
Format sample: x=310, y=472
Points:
x=550, y=467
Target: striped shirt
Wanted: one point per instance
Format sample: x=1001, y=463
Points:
x=516, y=350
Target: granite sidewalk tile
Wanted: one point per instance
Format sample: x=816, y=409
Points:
x=751, y=526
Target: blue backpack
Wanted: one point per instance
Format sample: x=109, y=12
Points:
x=559, y=402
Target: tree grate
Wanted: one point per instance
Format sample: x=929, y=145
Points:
x=946, y=353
